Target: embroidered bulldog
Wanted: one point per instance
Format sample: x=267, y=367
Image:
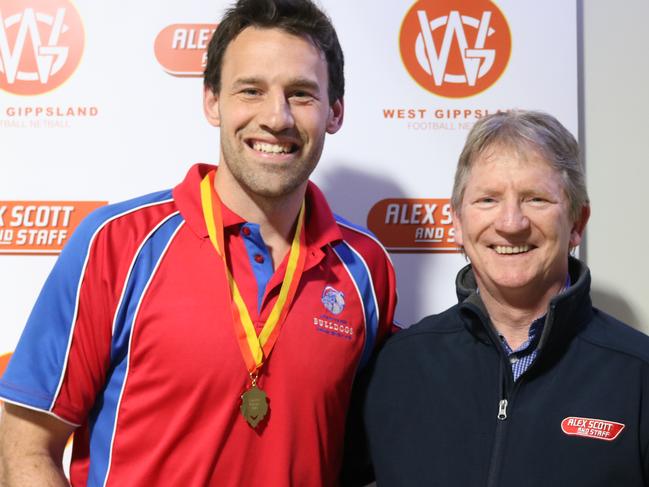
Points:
x=333, y=300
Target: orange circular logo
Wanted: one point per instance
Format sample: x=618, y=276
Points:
x=41, y=43
x=455, y=49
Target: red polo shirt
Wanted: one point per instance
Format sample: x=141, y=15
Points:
x=132, y=339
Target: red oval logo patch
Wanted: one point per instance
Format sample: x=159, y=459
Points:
x=599, y=429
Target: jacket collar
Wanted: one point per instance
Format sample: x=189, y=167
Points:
x=566, y=314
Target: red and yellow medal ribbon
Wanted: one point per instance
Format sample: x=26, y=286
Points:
x=254, y=349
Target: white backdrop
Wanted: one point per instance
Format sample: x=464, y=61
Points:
x=143, y=127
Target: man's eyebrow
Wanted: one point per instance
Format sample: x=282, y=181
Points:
x=299, y=82
x=304, y=83
x=247, y=81
x=483, y=188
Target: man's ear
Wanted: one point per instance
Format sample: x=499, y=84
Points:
x=577, y=232
x=457, y=225
x=211, y=107
x=336, y=115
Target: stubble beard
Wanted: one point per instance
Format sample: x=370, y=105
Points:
x=266, y=181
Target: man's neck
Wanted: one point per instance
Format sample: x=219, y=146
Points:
x=276, y=217
x=513, y=313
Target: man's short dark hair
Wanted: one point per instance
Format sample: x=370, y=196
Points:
x=298, y=17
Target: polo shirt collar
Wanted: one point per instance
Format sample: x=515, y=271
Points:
x=321, y=226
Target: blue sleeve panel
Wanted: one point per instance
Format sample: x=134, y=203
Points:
x=103, y=420
x=37, y=367
x=359, y=272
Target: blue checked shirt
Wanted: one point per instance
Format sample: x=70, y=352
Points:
x=523, y=356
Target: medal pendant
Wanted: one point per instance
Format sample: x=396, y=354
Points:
x=254, y=405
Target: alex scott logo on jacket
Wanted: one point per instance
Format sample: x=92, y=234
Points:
x=599, y=429
x=41, y=43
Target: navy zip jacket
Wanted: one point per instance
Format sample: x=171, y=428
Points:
x=442, y=408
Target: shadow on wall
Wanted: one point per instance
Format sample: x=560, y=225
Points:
x=612, y=303
x=351, y=194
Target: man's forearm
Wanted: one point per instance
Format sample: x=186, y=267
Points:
x=31, y=448
x=31, y=471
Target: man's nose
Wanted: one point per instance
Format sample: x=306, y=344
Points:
x=276, y=114
x=511, y=218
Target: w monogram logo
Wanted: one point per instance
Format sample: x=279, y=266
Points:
x=452, y=52
x=40, y=46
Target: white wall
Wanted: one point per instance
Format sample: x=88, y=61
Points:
x=615, y=129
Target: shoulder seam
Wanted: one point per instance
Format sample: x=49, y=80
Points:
x=608, y=346
x=135, y=208
x=364, y=232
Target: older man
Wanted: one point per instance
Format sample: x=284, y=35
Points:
x=523, y=382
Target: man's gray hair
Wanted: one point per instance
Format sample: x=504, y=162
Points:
x=524, y=131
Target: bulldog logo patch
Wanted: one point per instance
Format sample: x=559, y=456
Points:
x=333, y=300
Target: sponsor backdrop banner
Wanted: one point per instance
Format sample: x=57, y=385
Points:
x=101, y=101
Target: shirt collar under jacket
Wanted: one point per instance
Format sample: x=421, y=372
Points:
x=521, y=358
x=568, y=308
x=525, y=354
x=321, y=227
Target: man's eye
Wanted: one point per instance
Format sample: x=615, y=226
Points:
x=486, y=200
x=251, y=92
x=536, y=199
x=301, y=95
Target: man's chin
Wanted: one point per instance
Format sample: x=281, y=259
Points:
x=274, y=191
x=508, y=284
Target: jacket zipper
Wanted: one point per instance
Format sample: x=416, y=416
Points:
x=505, y=402
x=502, y=410
x=499, y=438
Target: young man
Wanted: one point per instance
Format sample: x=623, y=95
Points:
x=210, y=335
x=523, y=382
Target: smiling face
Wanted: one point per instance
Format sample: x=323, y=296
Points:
x=273, y=112
x=515, y=226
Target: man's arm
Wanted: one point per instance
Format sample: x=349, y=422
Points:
x=31, y=448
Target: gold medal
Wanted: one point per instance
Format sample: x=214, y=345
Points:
x=254, y=405
x=254, y=349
